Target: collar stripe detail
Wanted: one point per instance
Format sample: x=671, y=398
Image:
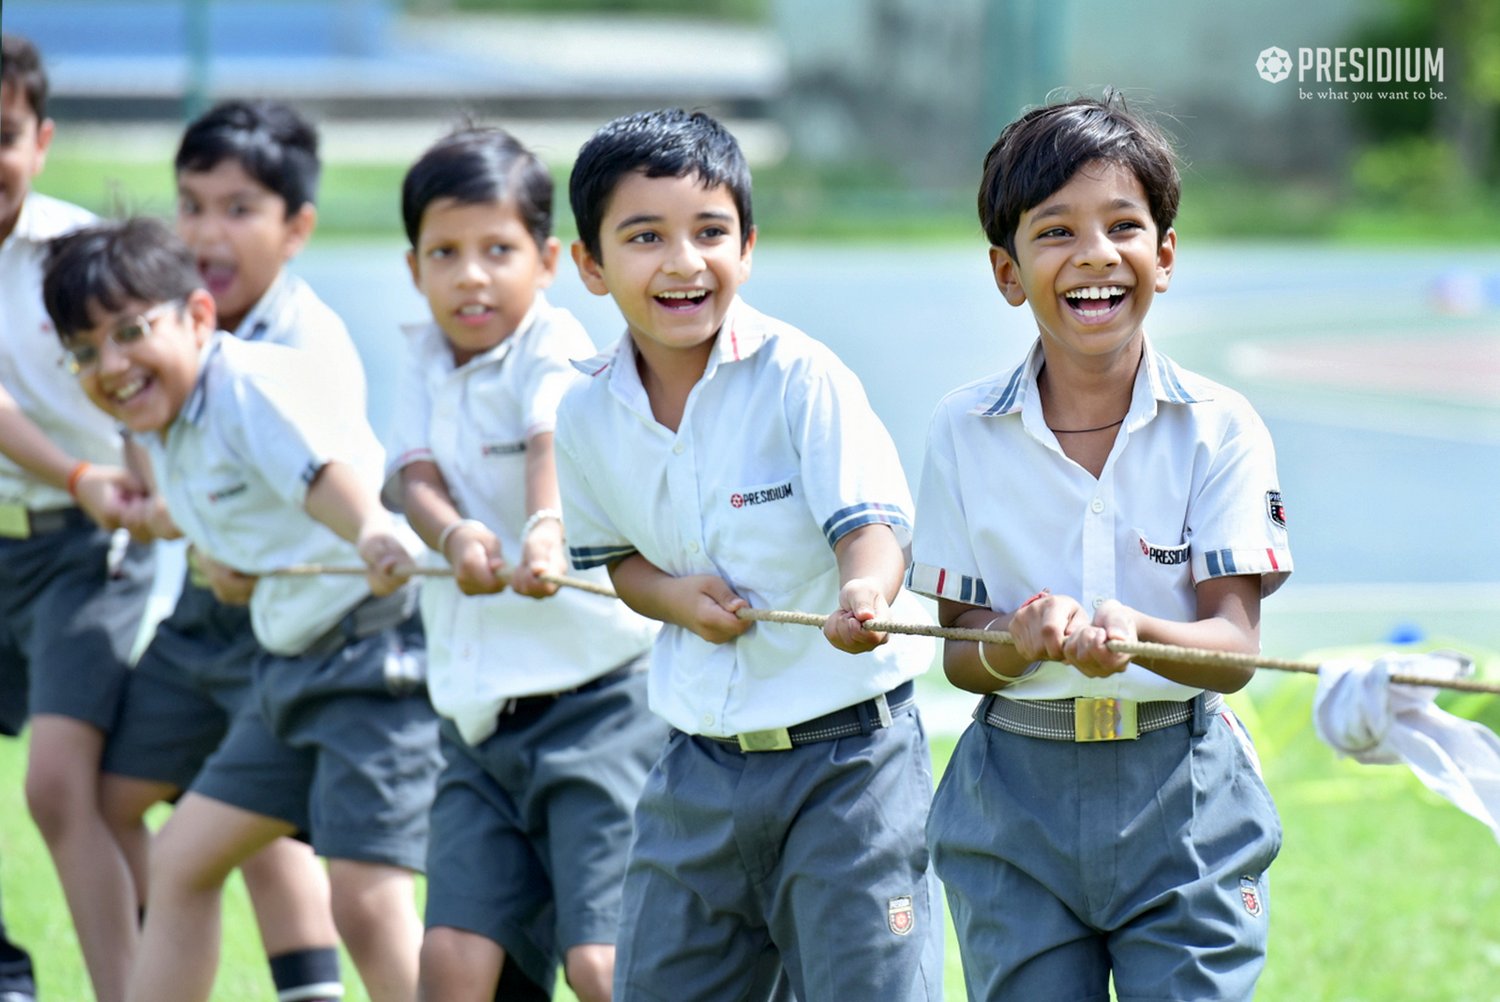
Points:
x=1008, y=398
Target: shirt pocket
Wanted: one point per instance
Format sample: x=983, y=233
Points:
x=765, y=538
x=1166, y=561
x=493, y=483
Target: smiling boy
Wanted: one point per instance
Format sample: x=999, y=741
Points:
x=718, y=460
x=247, y=175
x=1104, y=816
x=262, y=469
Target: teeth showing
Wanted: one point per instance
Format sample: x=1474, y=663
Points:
x=693, y=295
x=1095, y=292
x=473, y=310
x=129, y=390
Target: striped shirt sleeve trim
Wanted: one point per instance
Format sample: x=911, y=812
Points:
x=1225, y=563
x=584, y=557
x=938, y=582
x=846, y=520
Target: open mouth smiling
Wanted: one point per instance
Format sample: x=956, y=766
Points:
x=1094, y=301
x=682, y=299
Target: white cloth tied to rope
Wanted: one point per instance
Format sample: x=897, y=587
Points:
x=1359, y=713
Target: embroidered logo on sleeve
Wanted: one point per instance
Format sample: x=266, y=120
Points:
x=1275, y=508
x=760, y=495
x=900, y=915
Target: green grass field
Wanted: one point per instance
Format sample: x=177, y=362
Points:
x=1383, y=892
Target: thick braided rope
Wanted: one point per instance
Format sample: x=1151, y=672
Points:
x=1142, y=649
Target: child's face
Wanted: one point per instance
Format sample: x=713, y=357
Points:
x=480, y=269
x=1089, y=261
x=139, y=364
x=23, y=151
x=240, y=233
x=671, y=255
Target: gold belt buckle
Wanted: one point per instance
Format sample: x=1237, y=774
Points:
x=776, y=739
x=1104, y=719
x=15, y=522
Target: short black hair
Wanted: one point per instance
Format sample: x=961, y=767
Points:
x=1040, y=152
x=270, y=140
x=473, y=165
x=108, y=265
x=21, y=66
x=669, y=142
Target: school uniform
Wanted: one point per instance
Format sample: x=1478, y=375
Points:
x=194, y=676
x=341, y=742
x=1065, y=860
x=546, y=733
x=71, y=595
x=806, y=864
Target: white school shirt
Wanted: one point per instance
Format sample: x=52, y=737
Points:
x=777, y=457
x=234, y=468
x=31, y=357
x=1188, y=493
x=290, y=313
x=474, y=422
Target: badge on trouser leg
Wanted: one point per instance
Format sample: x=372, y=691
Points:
x=900, y=915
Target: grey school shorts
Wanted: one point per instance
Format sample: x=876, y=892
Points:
x=192, y=679
x=68, y=622
x=325, y=747
x=530, y=829
x=1065, y=863
x=756, y=875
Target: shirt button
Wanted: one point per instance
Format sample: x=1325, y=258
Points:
x=1097, y=506
x=1098, y=602
x=708, y=720
x=692, y=547
x=678, y=449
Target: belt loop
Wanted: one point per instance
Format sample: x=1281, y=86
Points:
x=868, y=721
x=1199, y=722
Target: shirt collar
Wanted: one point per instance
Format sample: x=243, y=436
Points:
x=1166, y=381
x=192, y=408
x=744, y=332
x=266, y=313
x=435, y=343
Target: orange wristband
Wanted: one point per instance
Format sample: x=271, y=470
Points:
x=77, y=475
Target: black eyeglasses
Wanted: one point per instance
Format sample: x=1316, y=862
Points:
x=82, y=357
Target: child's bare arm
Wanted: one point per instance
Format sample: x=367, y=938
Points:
x=340, y=500
x=702, y=603
x=470, y=547
x=1228, y=611
x=871, y=567
x=542, y=549
x=1039, y=626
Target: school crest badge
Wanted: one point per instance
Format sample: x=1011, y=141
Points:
x=1250, y=896
x=1276, y=508
x=899, y=915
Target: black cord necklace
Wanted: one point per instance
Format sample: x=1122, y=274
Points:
x=1083, y=431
